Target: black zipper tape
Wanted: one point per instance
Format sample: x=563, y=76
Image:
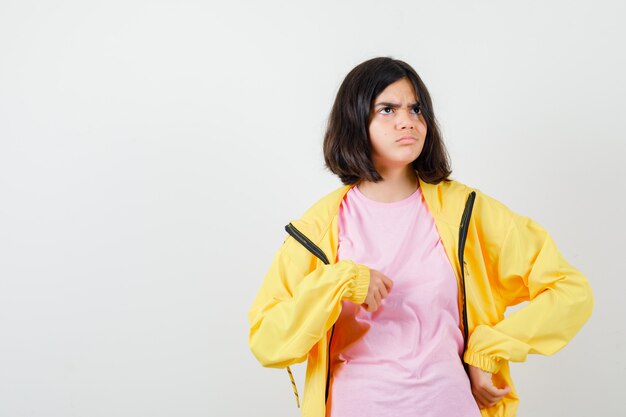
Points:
x=315, y=250
x=306, y=242
x=463, y=229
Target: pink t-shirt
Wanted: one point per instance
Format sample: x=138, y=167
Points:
x=405, y=358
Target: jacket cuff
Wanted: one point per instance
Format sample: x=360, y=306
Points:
x=360, y=284
x=486, y=363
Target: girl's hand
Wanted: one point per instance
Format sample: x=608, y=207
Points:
x=485, y=393
x=379, y=288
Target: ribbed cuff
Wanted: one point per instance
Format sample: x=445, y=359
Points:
x=360, y=285
x=486, y=363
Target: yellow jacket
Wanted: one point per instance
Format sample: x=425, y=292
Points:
x=507, y=259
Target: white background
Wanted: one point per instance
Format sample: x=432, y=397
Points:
x=151, y=153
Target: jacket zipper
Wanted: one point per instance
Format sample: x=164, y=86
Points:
x=301, y=237
x=317, y=251
x=463, y=229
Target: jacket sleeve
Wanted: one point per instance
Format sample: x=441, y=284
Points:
x=295, y=307
x=529, y=267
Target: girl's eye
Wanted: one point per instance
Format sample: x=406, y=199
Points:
x=388, y=110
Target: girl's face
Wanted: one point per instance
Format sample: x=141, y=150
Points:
x=395, y=115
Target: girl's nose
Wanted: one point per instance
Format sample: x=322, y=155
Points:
x=404, y=120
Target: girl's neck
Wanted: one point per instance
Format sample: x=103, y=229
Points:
x=395, y=186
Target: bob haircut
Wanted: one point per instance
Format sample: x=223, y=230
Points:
x=347, y=146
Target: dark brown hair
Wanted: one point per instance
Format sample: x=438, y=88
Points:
x=347, y=146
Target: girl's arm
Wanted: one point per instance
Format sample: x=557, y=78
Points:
x=295, y=307
x=529, y=267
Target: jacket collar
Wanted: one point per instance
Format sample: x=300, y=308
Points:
x=326, y=208
x=445, y=201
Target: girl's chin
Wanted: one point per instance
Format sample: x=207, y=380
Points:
x=398, y=159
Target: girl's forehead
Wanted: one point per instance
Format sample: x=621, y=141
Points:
x=403, y=87
x=395, y=95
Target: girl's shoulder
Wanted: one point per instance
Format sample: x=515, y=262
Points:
x=318, y=217
x=448, y=200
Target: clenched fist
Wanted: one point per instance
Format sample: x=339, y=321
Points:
x=380, y=286
x=483, y=390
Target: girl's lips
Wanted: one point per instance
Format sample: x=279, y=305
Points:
x=408, y=139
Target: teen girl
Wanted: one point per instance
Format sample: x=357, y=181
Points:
x=393, y=287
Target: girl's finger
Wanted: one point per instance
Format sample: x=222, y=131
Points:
x=482, y=403
x=388, y=283
x=487, y=398
x=480, y=399
x=490, y=398
x=377, y=298
x=495, y=392
x=383, y=292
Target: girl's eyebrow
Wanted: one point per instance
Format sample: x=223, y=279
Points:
x=394, y=105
